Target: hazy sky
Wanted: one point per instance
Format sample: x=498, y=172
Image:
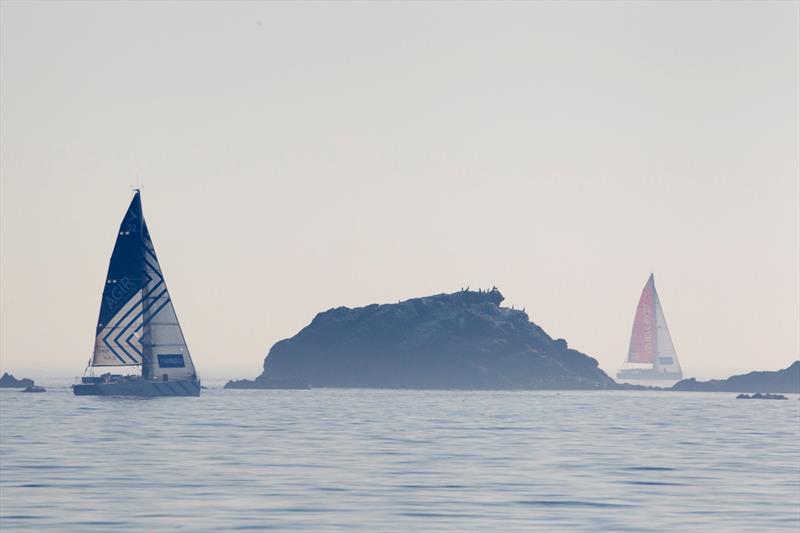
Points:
x=298, y=157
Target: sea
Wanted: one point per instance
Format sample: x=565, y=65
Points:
x=399, y=461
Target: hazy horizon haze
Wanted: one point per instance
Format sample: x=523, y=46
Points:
x=299, y=157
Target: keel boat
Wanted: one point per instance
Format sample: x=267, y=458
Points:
x=651, y=354
x=137, y=329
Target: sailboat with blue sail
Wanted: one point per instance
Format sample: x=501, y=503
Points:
x=137, y=327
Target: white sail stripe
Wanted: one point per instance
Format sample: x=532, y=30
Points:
x=110, y=330
x=121, y=337
x=120, y=340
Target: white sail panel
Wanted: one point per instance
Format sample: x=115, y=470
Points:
x=118, y=343
x=163, y=340
x=168, y=346
x=666, y=359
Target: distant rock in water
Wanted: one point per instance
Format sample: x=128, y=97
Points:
x=759, y=396
x=265, y=383
x=10, y=382
x=463, y=340
x=786, y=380
x=34, y=388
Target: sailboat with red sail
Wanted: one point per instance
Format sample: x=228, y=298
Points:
x=651, y=354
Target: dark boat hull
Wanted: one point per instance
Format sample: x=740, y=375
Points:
x=139, y=387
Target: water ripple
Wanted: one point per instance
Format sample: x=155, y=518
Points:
x=399, y=461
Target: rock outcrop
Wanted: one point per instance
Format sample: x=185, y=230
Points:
x=266, y=383
x=786, y=380
x=10, y=382
x=759, y=396
x=463, y=340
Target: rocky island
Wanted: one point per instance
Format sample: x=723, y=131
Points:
x=759, y=396
x=8, y=381
x=463, y=340
x=786, y=380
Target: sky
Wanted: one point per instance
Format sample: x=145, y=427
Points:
x=296, y=157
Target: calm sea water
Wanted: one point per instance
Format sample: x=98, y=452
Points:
x=370, y=460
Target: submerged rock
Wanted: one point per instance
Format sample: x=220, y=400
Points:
x=463, y=340
x=266, y=383
x=786, y=380
x=759, y=396
x=9, y=381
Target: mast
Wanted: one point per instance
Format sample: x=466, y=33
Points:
x=147, y=355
